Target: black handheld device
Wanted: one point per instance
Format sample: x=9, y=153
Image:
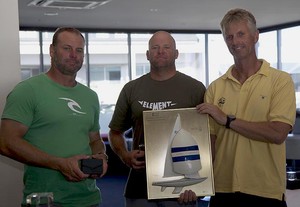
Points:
x=91, y=166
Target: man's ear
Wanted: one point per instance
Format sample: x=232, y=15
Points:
x=256, y=36
x=147, y=54
x=176, y=54
x=51, y=50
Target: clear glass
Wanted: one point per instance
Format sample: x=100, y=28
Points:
x=219, y=57
x=290, y=43
x=112, y=63
x=46, y=42
x=29, y=53
x=139, y=45
x=267, y=47
x=108, y=59
x=40, y=199
x=191, y=59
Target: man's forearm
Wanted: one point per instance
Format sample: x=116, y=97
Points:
x=118, y=143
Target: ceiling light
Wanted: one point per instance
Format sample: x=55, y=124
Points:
x=68, y=4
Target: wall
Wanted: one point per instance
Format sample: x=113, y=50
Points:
x=10, y=171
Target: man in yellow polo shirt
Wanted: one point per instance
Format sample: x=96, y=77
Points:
x=252, y=109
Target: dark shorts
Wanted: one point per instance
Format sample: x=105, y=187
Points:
x=244, y=200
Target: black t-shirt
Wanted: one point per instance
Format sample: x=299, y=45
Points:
x=144, y=93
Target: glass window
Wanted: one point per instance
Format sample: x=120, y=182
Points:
x=46, y=41
x=191, y=59
x=142, y=69
x=108, y=59
x=139, y=63
x=105, y=73
x=111, y=65
x=290, y=57
x=219, y=57
x=29, y=53
x=267, y=47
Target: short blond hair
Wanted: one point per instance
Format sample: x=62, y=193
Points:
x=237, y=15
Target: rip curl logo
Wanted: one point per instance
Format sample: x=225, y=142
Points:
x=72, y=104
x=221, y=101
x=157, y=105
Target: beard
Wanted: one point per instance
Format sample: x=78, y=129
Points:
x=67, y=66
x=161, y=64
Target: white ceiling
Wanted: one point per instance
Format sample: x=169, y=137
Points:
x=172, y=15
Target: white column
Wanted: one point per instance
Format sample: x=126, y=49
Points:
x=11, y=185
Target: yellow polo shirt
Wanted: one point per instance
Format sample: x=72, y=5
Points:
x=242, y=164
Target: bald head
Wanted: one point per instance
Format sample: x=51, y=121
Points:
x=162, y=36
x=162, y=54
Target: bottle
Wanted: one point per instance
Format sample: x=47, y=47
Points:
x=40, y=199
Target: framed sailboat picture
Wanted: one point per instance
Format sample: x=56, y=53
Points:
x=178, y=153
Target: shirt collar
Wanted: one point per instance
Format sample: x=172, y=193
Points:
x=264, y=70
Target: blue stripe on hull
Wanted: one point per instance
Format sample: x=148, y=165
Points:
x=183, y=149
x=186, y=158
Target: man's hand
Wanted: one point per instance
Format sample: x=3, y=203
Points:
x=69, y=167
x=135, y=159
x=187, y=197
x=219, y=116
x=104, y=164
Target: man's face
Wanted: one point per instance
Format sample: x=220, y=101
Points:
x=240, y=40
x=162, y=52
x=67, y=56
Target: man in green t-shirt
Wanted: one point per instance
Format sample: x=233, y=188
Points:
x=51, y=122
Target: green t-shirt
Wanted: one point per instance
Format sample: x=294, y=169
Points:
x=58, y=119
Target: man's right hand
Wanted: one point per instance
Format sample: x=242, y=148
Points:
x=135, y=159
x=69, y=167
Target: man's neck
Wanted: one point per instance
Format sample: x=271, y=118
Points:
x=242, y=70
x=64, y=80
x=162, y=75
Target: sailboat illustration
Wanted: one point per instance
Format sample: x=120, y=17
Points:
x=182, y=159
